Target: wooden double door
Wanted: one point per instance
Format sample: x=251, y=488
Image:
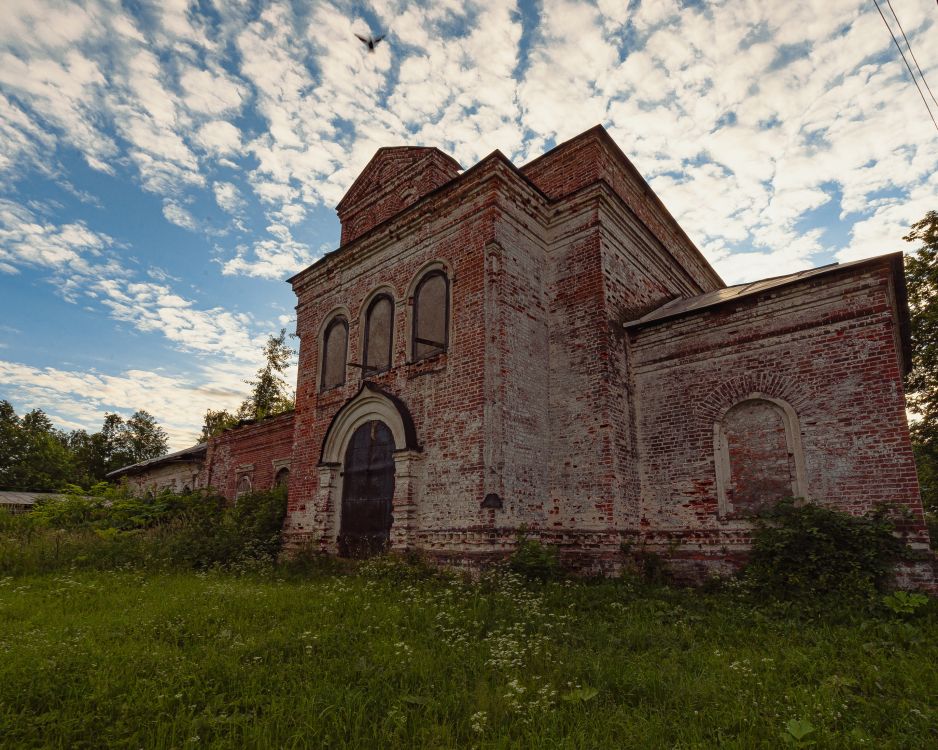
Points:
x=367, y=491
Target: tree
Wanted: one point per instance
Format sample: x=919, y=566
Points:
x=921, y=273
x=9, y=444
x=89, y=462
x=33, y=454
x=270, y=393
x=144, y=438
x=216, y=422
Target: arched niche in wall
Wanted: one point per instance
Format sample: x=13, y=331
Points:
x=244, y=486
x=758, y=455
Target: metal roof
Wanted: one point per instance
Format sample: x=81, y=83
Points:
x=678, y=307
x=24, y=498
x=185, y=454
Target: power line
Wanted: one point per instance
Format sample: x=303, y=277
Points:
x=914, y=79
x=909, y=45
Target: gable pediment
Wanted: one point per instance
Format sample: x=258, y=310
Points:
x=395, y=177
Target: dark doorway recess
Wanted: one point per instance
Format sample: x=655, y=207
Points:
x=367, y=491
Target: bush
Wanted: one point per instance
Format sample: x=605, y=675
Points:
x=534, y=560
x=931, y=521
x=197, y=530
x=806, y=550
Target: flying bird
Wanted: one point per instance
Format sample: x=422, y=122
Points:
x=370, y=42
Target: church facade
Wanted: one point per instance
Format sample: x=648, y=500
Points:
x=543, y=350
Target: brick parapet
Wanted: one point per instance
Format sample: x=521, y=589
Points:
x=394, y=179
x=593, y=157
x=258, y=446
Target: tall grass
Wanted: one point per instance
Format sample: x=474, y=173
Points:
x=390, y=656
x=166, y=623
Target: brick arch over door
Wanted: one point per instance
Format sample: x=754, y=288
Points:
x=758, y=456
x=370, y=404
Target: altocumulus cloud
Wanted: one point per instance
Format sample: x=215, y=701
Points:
x=780, y=135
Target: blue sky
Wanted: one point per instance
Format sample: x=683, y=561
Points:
x=164, y=166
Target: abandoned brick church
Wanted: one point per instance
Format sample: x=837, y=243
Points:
x=543, y=349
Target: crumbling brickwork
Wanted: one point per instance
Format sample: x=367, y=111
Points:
x=572, y=400
x=595, y=384
x=249, y=457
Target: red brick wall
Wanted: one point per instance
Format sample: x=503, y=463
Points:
x=444, y=394
x=593, y=157
x=257, y=446
x=825, y=347
x=392, y=181
x=591, y=433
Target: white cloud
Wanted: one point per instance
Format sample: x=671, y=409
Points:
x=218, y=137
x=79, y=263
x=748, y=118
x=178, y=215
x=153, y=307
x=212, y=93
x=79, y=399
x=275, y=258
x=228, y=197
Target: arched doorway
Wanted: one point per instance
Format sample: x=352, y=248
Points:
x=367, y=491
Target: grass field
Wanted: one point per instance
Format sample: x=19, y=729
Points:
x=387, y=657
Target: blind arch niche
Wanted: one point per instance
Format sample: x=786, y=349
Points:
x=378, y=333
x=758, y=455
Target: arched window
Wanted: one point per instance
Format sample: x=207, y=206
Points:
x=431, y=315
x=244, y=486
x=282, y=478
x=379, y=322
x=334, y=352
x=759, y=459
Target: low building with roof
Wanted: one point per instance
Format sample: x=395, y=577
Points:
x=16, y=502
x=176, y=472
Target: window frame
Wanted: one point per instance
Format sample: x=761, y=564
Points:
x=239, y=492
x=415, y=314
x=366, y=370
x=336, y=319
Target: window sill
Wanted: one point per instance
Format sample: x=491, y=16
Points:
x=427, y=365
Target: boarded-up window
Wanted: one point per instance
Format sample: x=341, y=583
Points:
x=431, y=315
x=378, y=324
x=244, y=486
x=335, y=350
x=761, y=468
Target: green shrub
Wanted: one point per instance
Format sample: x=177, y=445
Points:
x=534, y=560
x=197, y=530
x=805, y=551
x=931, y=521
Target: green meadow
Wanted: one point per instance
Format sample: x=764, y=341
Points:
x=390, y=655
